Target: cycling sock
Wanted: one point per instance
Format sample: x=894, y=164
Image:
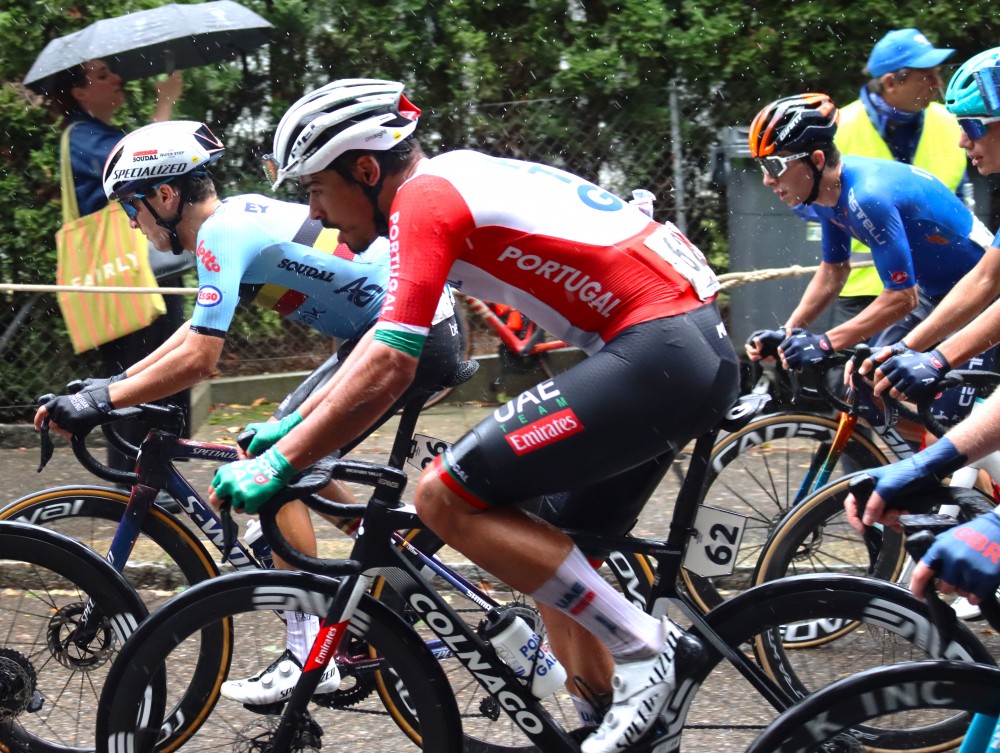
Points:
x=302, y=630
x=577, y=590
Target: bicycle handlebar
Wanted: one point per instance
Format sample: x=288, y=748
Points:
x=165, y=417
x=920, y=530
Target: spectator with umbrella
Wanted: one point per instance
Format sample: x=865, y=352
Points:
x=88, y=96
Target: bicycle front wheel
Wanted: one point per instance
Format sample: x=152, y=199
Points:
x=52, y=672
x=896, y=695
x=379, y=649
x=166, y=557
x=889, y=626
x=762, y=471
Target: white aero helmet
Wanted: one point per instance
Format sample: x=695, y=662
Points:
x=351, y=113
x=158, y=153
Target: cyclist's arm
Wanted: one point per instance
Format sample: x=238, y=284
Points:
x=174, y=341
x=888, y=308
x=372, y=378
x=318, y=396
x=186, y=365
x=963, y=303
x=823, y=288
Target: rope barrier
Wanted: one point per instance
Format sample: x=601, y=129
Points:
x=728, y=280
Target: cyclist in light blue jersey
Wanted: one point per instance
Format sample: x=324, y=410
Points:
x=257, y=248
x=923, y=238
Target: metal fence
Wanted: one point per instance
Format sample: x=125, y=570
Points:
x=617, y=147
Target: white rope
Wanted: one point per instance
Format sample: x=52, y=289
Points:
x=13, y=288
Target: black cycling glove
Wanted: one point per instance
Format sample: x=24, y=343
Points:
x=769, y=340
x=81, y=412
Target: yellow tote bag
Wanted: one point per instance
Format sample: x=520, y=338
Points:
x=101, y=249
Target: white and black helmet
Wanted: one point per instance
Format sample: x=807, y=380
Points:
x=351, y=113
x=158, y=153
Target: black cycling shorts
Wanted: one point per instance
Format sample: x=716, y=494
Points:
x=596, y=436
x=443, y=352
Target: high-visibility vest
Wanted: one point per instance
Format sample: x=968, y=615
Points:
x=937, y=152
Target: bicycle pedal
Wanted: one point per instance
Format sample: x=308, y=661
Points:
x=266, y=709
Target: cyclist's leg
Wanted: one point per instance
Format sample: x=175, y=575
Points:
x=671, y=380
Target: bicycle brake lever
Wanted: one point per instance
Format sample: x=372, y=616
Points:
x=245, y=438
x=230, y=529
x=796, y=384
x=48, y=448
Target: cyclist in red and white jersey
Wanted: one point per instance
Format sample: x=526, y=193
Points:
x=636, y=295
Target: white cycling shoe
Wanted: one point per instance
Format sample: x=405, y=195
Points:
x=640, y=691
x=276, y=682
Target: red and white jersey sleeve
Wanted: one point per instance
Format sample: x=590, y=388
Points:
x=581, y=262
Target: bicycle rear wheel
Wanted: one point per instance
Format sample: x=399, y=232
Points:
x=758, y=472
x=487, y=728
x=378, y=649
x=167, y=557
x=46, y=581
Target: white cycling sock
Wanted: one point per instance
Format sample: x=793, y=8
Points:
x=578, y=590
x=301, y=632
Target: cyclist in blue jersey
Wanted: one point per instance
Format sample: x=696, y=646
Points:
x=257, y=248
x=923, y=238
x=916, y=365
x=967, y=558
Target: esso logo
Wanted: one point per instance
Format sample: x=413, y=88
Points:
x=209, y=295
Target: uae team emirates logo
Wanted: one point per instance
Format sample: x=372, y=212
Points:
x=544, y=432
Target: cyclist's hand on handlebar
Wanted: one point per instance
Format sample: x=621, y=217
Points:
x=763, y=344
x=966, y=558
x=267, y=433
x=251, y=483
x=879, y=356
x=893, y=481
x=802, y=348
x=78, y=413
x=913, y=375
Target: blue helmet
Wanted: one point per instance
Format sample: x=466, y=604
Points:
x=973, y=90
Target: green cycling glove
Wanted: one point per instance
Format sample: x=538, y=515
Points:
x=267, y=433
x=251, y=483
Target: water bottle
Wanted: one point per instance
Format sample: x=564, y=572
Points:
x=254, y=538
x=523, y=651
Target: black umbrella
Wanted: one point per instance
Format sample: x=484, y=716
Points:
x=154, y=41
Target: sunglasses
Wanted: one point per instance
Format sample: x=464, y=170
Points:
x=976, y=128
x=131, y=210
x=776, y=166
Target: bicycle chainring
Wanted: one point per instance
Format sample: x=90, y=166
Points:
x=17, y=684
x=70, y=647
x=362, y=675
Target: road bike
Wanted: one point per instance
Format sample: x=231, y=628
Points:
x=47, y=581
x=906, y=694
x=158, y=553
x=368, y=640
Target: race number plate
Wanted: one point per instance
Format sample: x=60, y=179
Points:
x=718, y=536
x=670, y=244
x=423, y=449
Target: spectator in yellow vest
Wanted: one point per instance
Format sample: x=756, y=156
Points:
x=897, y=117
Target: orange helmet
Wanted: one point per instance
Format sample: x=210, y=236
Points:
x=793, y=123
